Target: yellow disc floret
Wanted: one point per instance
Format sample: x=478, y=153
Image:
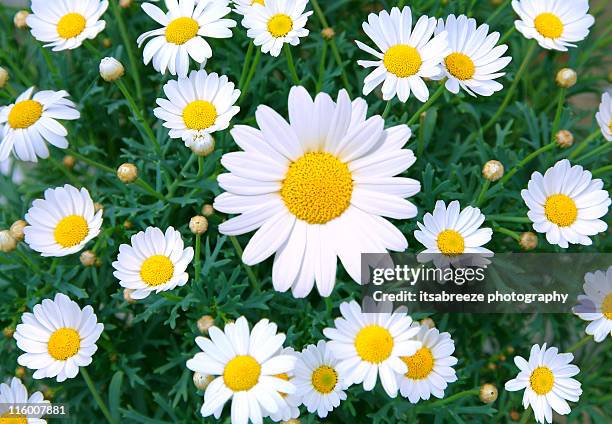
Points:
x=374, y=344
x=460, y=66
x=420, y=365
x=542, y=380
x=199, y=115
x=11, y=418
x=71, y=231
x=548, y=25
x=279, y=25
x=241, y=373
x=257, y=2
x=402, y=60
x=451, y=243
x=71, y=25
x=24, y=114
x=324, y=379
x=156, y=270
x=181, y=30
x=606, y=306
x=64, y=343
x=561, y=209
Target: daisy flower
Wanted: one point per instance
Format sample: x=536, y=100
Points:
x=243, y=6
x=555, y=25
x=31, y=122
x=604, y=116
x=566, y=204
x=64, y=25
x=197, y=105
x=317, y=380
x=275, y=23
x=370, y=345
x=546, y=379
x=247, y=370
x=289, y=407
x=404, y=56
x=430, y=369
x=596, y=304
x=58, y=338
x=63, y=222
x=474, y=62
x=184, y=27
x=154, y=262
x=317, y=188
x=16, y=394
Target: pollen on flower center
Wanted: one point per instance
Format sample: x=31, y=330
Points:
x=542, y=380
x=402, y=60
x=606, y=306
x=11, y=418
x=24, y=114
x=71, y=231
x=317, y=187
x=460, y=66
x=64, y=343
x=285, y=377
x=451, y=243
x=324, y=379
x=279, y=25
x=548, y=25
x=241, y=373
x=420, y=365
x=374, y=344
x=181, y=30
x=561, y=209
x=71, y=25
x=199, y=115
x=156, y=270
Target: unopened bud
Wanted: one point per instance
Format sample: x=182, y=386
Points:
x=125, y=3
x=88, y=258
x=328, y=33
x=208, y=210
x=292, y=421
x=98, y=207
x=202, y=145
x=16, y=229
x=107, y=43
x=20, y=372
x=528, y=240
x=493, y=170
x=111, y=69
x=4, y=77
x=127, y=173
x=69, y=161
x=564, y=139
x=127, y=295
x=514, y=415
x=20, y=19
x=205, y=323
x=201, y=381
x=198, y=224
x=428, y=322
x=8, y=332
x=566, y=78
x=127, y=224
x=8, y=243
x=488, y=393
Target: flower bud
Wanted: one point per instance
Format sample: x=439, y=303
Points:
x=20, y=19
x=125, y=3
x=493, y=170
x=16, y=229
x=8, y=243
x=88, y=258
x=107, y=43
x=202, y=145
x=328, y=33
x=8, y=332
x=111, y=69
x=564, y=139
x=528, y=241
x=488, y=393
x=428, y=322
x=98, y=207
x=205, y=323
x=69, y=161
x=127, y=296
x=127, y=173
x=566, y=78
x=4, y=77
x=201, y=381
x=514, y=415
x=198, y=225
x=127, y=224
x=208, y=210
x=510, y=350
x=20, y=372
x=292, y=421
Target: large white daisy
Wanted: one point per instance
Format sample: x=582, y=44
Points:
x=57, y=338
x=566, y=204
x=546, y=379
x=317, y=188
x=63, y=222
x=16, y=395
x=184, y=27
x=66, y=24
x=604, y=116
x=596, y=304
x=555, y=25
x=247, y=367
x=405, y=56
x=31, y=122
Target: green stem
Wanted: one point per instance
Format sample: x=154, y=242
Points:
x=525, y=161
x=560, y=103
x=15, y=69
x=454, y=397
x=243, y=90
x=73, y=180
x=502, y=218
x=579, y=344
x=426, y=105
x=200, y=166
x=584, y=144
x=96, y=396
x=27, y=260
x=387, y=109
x=249, y=271
x=291, y=64
x=89, y=46
x=498, y=10
x=198, y=264
x=51, y=65
x=245, y=65
x=483, y=193
x=506, y=35
x=321, y=78
x=177, y=181
x=595, y=152
x=138, y=115
x=525, y=416
x=146, y=187
x=508, y=232
x=90, y=162
x=602, y=170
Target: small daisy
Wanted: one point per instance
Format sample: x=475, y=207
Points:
x=596, y=304
x=555, y=25
x=430, y=369
x=243, y=6
x=184, y=27
x=58, y=338
x=474, y=62
x=31, y=122
x=566, y=204
x=275, y=23
x=604, y=116
x=317, y=188
x=63, y=222
x=369, y=345
x=16, y=394
x=198, y=105
x=64, y=25
x=546, y=379
x=154, y=262
x=406, y=56
x=247, y=368
x=317, y=380
x=289, y=408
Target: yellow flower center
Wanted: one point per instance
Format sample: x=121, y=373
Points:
x=8, y=418
x=460, y=66
x=71, y=25
x=561, y=209
x=606, y=306
x=317, y=187
x=324, y=379
x=181, y=30
x=451, y=243
x=279, y=25
x=285, y=377
x=420, y=364
x=549, y=25
x=25, y=114
x=64, y=343
x=241, y=373
x=542, y=380
x=156, y=270
x=258, y=2
x=199, y=115
x=402, y=60
x=374, y=344
x=71, y=231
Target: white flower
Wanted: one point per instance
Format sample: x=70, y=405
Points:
x=243, y=6
x=247, y=368
x=58, y=338
x=184, y=27
x=596, y=304
x=369, y=345
x=197, y=105
x=406, y=55
x=289, y=407
x=474, y=62
x=555, y=25
x=317, y=189
x=604, y=116
x=64, y=25
x=546, y=379
x=31, y=122
x=111, y=69
x=16, y=395
x=63, y=222
x=154, y=262
x=566, y=204
x=276, y=23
